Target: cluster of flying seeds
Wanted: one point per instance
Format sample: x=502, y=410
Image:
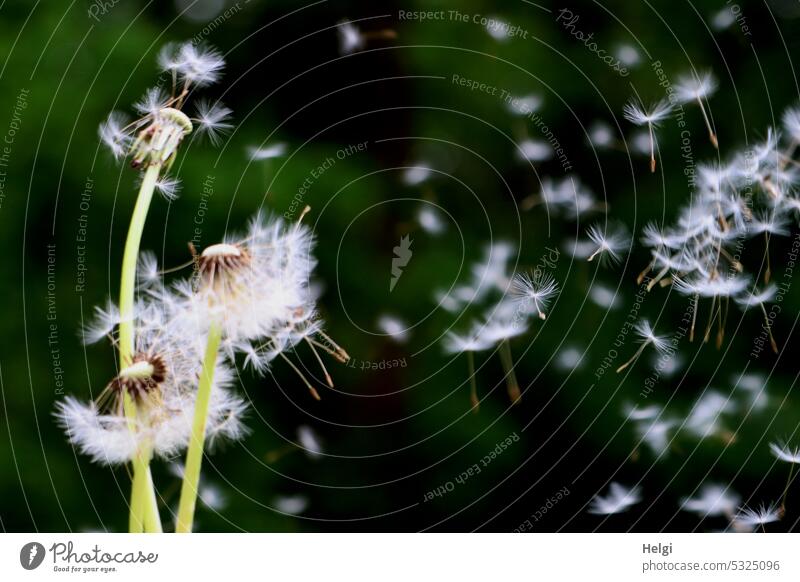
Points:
x=752, y=194
x=507, y=302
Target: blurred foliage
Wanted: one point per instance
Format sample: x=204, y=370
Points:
x=393, y=435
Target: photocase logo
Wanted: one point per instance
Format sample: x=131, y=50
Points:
x=402, y=254
x=31, y=555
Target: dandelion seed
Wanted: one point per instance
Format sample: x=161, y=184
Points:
x=269, y=152
x=534, y=150
x=154, y=100
x=647, y=336
x=393, y=327
x=713, y=500
x=168, y=187
x=569, y=358
x=628, y=55
x=417, y=174
x=352, y=39
x=524, y=105
x=291, y=504
x=698, y=88
x=196, y=64
x=601, y=135
x=758, y=299
x=537, y=288
x=791, y=125
x=114, y=136
x=638, y=114
x=309, y=442
x=783, y=452
x=722, y=19
x=619, y=499
x=603, y=296
x=704, y=419
x=431, y=220
x=609, y=243
x=764, y=514
x=212, y=120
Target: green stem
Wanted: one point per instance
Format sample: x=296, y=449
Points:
x=142, y=493
x=194, y=456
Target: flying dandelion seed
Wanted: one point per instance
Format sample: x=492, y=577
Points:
x=619, y=499
x=638, y=114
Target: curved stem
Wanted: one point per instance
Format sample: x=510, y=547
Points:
x=194, y=456
x=142, y=494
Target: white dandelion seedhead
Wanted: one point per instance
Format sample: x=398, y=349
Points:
x=712, y=500
x=619, y=498
x=694, y=87
x=154, y=137
x=162, y=380
x=310, y=442
x=783, y=452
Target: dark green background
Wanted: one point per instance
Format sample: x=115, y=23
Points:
x=391, y=436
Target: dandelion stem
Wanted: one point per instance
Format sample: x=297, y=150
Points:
x=141, y=499
x=473, y=393
x=194, y=456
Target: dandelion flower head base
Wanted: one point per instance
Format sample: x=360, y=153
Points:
x=142, y=377
x=158, y=142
